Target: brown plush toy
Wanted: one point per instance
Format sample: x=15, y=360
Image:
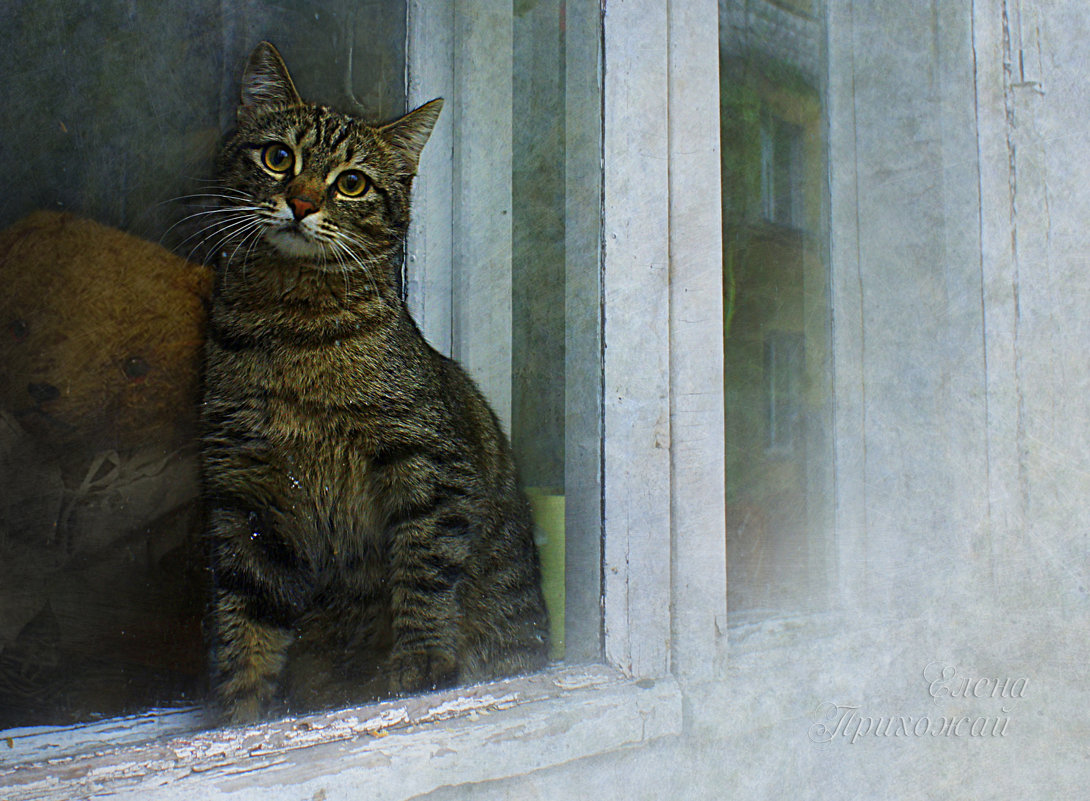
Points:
x=100, y=348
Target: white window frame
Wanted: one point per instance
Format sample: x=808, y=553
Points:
x=663, y=562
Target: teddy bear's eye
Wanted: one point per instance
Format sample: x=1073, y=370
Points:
x=19, y=330
x=136, y=367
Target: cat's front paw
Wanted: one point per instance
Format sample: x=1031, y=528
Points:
x=244, y=711
x=421, y=671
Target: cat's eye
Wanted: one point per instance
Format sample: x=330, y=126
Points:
x=352, y=183
x=19, y=330
x=278, y=157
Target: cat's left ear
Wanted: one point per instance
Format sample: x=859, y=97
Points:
x=266, y=82
x=410, y=133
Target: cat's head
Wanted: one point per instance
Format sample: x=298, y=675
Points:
x=311, y=182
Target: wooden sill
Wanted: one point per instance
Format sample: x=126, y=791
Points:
x=392, y=750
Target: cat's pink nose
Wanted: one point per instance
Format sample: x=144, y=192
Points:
x=301, y=206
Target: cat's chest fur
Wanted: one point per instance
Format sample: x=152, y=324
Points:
x=316, y=390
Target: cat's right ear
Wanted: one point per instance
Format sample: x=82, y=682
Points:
x=266, y=82
x=410, y=133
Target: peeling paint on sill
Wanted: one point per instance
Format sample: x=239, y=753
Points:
x=389, y=743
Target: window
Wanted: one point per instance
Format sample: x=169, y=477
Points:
x=781, y=172
x=784, y=364
x=777, y=320
x=633, y=440
x=113, y=116
x=502, y=272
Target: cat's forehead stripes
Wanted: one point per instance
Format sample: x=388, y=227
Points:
x=327, y=141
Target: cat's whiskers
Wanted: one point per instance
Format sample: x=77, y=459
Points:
x=233, y=211
x=369, y=255
x=222, y=192
x=234, y=196
x=207, y=212
x=324, y=235
x=343, y=266
x=226, y=230
x=341, y=248
x=372, y=260
x=254, y=239
x=326, y=268
x=253, y=234
x=252, y=229
x=208, y=231
x=203, y=180
x=367, y=267
x=219, y=226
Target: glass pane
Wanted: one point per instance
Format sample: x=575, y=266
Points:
x=776, y=319
x=114, y=118
x=555, y=231
x=112, y=112
x=519, y=307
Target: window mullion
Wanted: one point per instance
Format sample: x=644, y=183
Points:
x=636, y=356
x=429, y=249
x=698, y=508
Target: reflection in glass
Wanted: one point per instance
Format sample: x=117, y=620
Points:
x=776, y=318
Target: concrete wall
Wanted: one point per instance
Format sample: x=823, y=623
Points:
x=958, y=195
x=907, y=305
x=1034, y=211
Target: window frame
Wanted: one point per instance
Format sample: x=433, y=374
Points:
x=662, y=595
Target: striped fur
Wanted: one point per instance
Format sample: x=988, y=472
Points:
x=367, y=531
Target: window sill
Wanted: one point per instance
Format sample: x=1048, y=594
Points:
x=393, y=750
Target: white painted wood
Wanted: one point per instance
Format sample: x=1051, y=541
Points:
x=458, y=270
x=429, y=250
x=846, y=288
x=27, y=744
x=1034, y=177
x=394, y=750
x=1002, y=284
x=636, y=570
x=583, y=341
x=481, y=301
x=962, y=320
x=662, y=417
x=697, y=486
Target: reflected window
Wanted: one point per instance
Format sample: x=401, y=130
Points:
x=782, y=172
x=776, y=308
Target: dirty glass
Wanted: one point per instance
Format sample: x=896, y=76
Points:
x=556, y=201
x=112, y=112
x=777, y=384
x=511, y=200
x=111, y=117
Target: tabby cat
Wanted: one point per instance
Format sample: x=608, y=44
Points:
x=368, y=536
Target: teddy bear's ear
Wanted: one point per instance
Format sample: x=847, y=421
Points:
x=266, y=82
